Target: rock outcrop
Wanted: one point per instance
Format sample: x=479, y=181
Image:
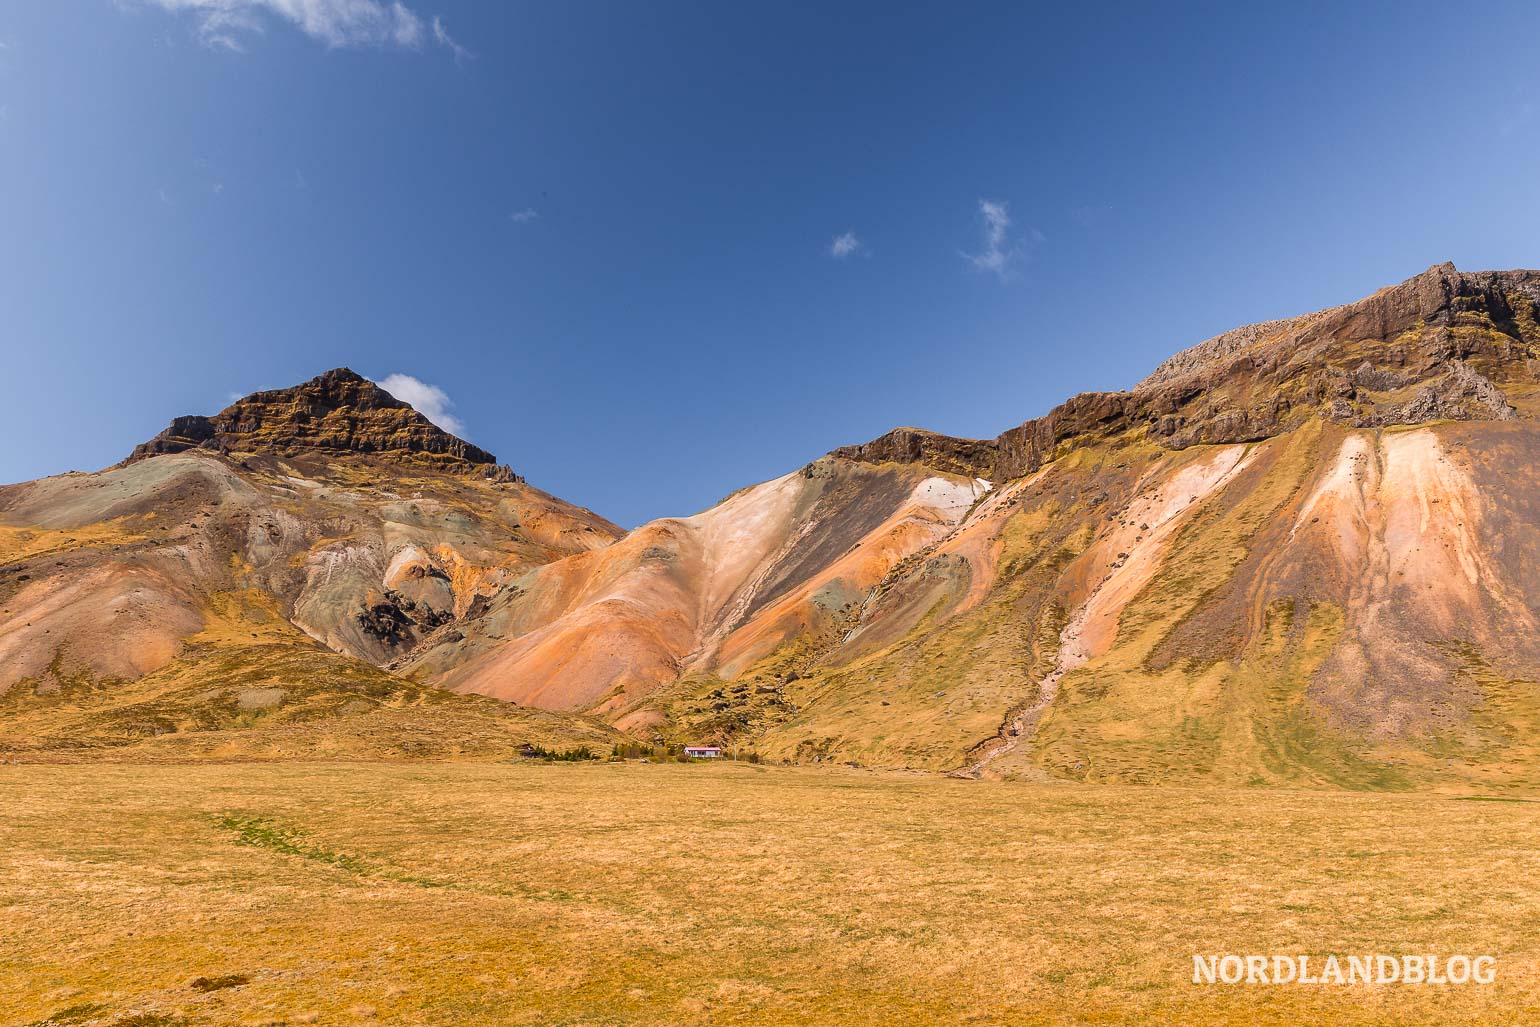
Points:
x=337, y=412
x=918, y=446
x=1439, y=346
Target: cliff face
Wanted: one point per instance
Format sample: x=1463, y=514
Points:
x=1440, y=346
x=976, y=458
x=337, y=412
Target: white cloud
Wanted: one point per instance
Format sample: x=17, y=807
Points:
x=845, y=245
x=443, y=38
x=523, y=216
x=429, y=400
x=998, y=252
x=337, y=23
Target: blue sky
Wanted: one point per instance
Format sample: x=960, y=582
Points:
x=651, y=253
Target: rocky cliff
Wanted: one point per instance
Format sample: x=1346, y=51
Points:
x=1441, y=346
x=336, y=412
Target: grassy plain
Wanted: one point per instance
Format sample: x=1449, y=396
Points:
x=459, y=893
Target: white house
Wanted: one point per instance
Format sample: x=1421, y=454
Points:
x=703, y=752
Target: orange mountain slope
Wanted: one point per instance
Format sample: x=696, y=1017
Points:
x=331, y=510
x=1304, y=551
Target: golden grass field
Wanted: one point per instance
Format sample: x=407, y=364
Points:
x=443, y=893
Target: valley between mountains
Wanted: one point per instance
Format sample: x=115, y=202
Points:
x=1305, y=552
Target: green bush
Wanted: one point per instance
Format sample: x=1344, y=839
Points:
x=578, y=754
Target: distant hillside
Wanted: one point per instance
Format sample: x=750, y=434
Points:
x=1303, y=552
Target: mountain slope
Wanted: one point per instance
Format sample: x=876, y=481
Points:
x=331, y=513
x=1303, y=552
x=773, y=565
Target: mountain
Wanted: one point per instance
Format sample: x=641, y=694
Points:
x=770, y=577
x=261, y=565
x=1302, y=552
x=340, y=413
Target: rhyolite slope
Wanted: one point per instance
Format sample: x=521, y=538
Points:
x=1304, y=552
x=301, y=536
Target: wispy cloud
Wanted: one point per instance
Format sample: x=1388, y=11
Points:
x=998, y=250
x=429, y=400
x=442, y=37
x=846, y=245
x=524, y=216
x=226, y=24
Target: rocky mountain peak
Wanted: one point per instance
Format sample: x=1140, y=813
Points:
x=1442, y=345
x=339, y=412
